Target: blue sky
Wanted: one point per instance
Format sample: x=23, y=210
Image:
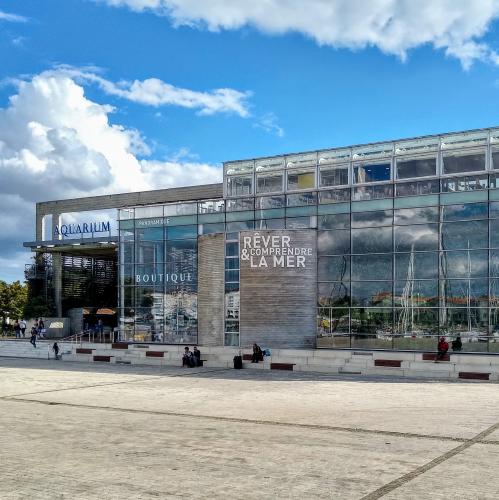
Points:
x=298, y=80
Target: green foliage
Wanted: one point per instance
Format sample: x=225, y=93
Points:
x=38, y=307
x=13, y=299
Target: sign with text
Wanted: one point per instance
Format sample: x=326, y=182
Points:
x=273, y=250
x=278, y=287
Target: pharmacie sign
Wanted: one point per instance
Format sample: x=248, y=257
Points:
x=273, y=250
x=82, y=228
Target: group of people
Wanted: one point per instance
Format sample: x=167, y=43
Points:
x=20, y=328
x=192, y=358
x=443, y=347
x=37, y=331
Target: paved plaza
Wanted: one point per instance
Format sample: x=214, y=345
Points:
x=79, y=431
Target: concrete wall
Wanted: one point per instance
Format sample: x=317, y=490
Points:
x=211, y=289
x=278, y=297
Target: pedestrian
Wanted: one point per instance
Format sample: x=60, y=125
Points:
x=442, y=349
x=257, y=354
x=23, y=325
x=17, y=329
x=457, y=344
x=32, y=340
x=55, y=348
x=41, y=328
x=100, y=326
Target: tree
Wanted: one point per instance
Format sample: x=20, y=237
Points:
x=13, y=300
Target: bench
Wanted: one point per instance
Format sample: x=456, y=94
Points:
x=474, y=375
x=393, y=363
x=282, y=366
x=432, y=356
x=106, y=359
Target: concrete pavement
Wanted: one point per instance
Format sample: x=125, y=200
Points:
x=109, y=431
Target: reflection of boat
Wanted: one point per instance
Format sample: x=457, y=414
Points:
x=405, y=324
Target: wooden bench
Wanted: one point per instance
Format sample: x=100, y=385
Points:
x=474, y=375
x=106, y=359
x=282, y=366
x=393, y=363
x=155, y=354
x=83, y=350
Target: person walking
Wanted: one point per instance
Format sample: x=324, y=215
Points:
x=23, y=325
x=17, y=329
x=32, y=340
x=55, y=348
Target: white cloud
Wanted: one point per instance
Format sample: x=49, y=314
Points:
x=394, y=26
x=56, y=143
x=155, y=92
x=268, y=122
x=12, y=18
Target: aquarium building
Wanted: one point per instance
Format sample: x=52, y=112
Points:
x=384, y=245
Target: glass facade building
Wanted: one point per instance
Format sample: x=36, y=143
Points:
x=407, y=243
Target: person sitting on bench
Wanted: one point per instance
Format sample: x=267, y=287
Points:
x=197, y=357
x=257, y=354
x=188, y=359
x=442, y=348
x=457, y=344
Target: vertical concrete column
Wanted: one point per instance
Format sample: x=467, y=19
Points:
x=211, y=290
x=57, y=267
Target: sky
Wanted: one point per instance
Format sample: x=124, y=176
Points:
x=108, y=96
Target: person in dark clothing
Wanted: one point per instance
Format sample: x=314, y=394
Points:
x=197, y=356
x=188, y=359
x=55, y=348
x=17, y=329
x=457, y=344
x=32, y=340
x=442, y=348
x=257, y=354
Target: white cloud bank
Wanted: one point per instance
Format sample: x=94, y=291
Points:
x=12, y=18
x=155, y=92
x=394, y=26
x=56, y=143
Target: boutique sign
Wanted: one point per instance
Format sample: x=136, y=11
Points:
x=82, y=229
x=273, y=249
x=176, y=278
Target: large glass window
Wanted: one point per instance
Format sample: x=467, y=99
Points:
x=270, y=182
x=333, y=176
x=416, y=293
x=335, y=294
x=240, y=185
x=464, y=211
x=334, y=221
x=334, y=196
x=301, y=179
x=417, y=188
x=416, y=167
x=375, y=172
x=407, y=216
x=465, y=264
x=464, y=293
x=417, y=265
x=463, y=161
x=464, y=183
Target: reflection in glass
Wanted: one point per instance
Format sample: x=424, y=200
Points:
x=372, y=240
x=301, y=179
x=301, y=199
x=465, y=264
x=239, y=185
x=416, y=322
x=416, y=265
x=464, y=235
x=464, y=293
x=413, y=293
x=299, y=222
x=464, y=211
x=419, y=237
x=470, y=323
x=269, y=202
x=375, y=322
x=333, y=242
x=335, y=268
x=372, y=219
x=374, y=192
x=335, y=294
x=372, y=293
x=372, y=267
x=270, y=224
x=408, y=216
x=334, y=221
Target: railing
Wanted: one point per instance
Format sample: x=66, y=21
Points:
x=93, y=336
